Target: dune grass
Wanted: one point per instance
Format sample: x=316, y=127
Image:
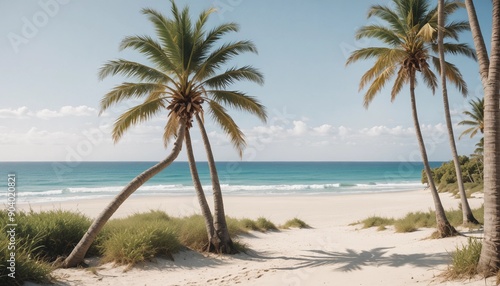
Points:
x=376, y=221
x=265, y=225
x=464, y=261
x=295, y=223
x=139, y=243
x=28, y=265
x=43, y=237
x=415, y=220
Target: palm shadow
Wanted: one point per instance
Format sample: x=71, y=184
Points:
x=352, y=260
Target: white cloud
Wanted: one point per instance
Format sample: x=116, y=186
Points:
x=19, y=113
x=37, y=136
x=384, y=130
x=65, y=111
x=324, y=129
x=299, y=128
x=344, y=132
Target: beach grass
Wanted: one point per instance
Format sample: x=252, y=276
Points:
x=376, y=221
x=295, y=223
x=53, y=233
x=191, y=232
x=28, y=265
x=135, y=243
x=265, y=225
x=414, y=220
x=43, y=237
x=464, y=260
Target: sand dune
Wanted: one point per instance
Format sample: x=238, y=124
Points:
x=331, y=253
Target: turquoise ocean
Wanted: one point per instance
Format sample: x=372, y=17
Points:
x=64, y=181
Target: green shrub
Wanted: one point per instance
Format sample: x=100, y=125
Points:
x=446, y=179
x=403, y=226
x=57, y=231
x=192, y=232
x=265, y=225
x=149, y=216
x=138, y=243
x=415, y=220
x=248, y=224
x=377, y=221
x=464, y=260
x=28, y=266
x=296, y=223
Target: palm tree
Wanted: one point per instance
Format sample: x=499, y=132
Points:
x=467, y=216
x=476, y=121
x=476, y=118
x=185, y=71
x=201, y=79
x=489, y=260
x=78, y=253
x=410, y=41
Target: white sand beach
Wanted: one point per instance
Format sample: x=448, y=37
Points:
x=331, y=253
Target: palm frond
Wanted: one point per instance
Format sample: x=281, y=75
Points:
x=388, y=15
x=380, y=33
x=204, y=46
x=216, y=34
x=235, y=74
x=197, y=52
x=367, y=53
x=472, y=131
x=239, y=100
x=430, y=79
x=457, y=49
x=170, y=129
x=135, y=115
x=134, y=70
x=222, y=118
x=154, y=52
x=453, y=75
x=221, y=56
x=391, y=57
x=128, y=90
x=401, y=79
x=164, y=30
x=378, y=84
x=453, y=29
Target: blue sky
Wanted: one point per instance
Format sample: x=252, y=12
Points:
x=52, y=49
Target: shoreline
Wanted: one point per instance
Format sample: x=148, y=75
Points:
x=332, y=250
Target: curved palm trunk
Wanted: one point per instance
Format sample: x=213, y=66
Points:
x=221, y=238
x=443, y=226
x=78, y=253
x=489, y=261
x=205, y=209
x=467, y=216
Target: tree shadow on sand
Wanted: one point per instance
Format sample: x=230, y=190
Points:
x=352, y=260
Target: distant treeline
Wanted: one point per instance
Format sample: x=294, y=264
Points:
x=446, y=179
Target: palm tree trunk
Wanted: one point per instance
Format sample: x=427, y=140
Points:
x=205, y=209
x=443, y=226
x=477, y=35
x=78, y=253
x=489, y=261
x=467, y=216
x=221, y=239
